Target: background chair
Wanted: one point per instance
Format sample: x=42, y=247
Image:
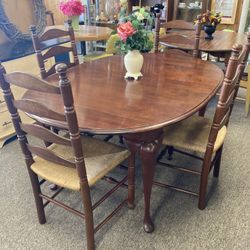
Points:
x=203, y=136
x=110, y=49
x=54, y=51
x=179, y=38
x=73, y=162
x=49, y=18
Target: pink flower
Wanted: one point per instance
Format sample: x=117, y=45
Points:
x=71, y=8
x=125, y=30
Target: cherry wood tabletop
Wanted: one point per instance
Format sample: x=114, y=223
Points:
x=87, y=32
x=223, y=41
x=172, y=88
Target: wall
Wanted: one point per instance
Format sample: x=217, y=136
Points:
x=21, y=13
x=53, y=5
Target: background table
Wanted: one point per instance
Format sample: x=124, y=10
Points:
x=223, y=41
x=171, y=89
x=87, y=33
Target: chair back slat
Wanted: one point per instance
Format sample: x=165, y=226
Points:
x=48, y=35
x=27, y=81
x=45, y=134
x=179, y=25
x=180, y=39
x=56, y=51
x=38, y=109
x=50, y=156
x=52, y=34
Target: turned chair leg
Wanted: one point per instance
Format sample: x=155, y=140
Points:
x=121, y=139
x=170, y=152
x=203, y=185
x=247, y=103
x=38, y=200
x=216, y=170
x=202, y=111
x=162, y=153
x=131, y=181
x=89, y=221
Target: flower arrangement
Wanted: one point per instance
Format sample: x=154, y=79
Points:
x=209, y=18
x=71, y=8
x=133, y=33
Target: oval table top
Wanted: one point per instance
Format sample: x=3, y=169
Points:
x=87, y=32
x=223, y=41
x=172, y=88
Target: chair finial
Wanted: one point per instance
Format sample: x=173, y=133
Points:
x=61, y=68
x=237, y=48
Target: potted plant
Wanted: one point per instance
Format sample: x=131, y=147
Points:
x=133, y=39
x=209, y=22
x=72, y=9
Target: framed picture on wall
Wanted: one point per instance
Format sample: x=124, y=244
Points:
x=228, y=9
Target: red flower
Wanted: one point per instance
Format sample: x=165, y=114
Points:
x=125, y=30
x=71, y=8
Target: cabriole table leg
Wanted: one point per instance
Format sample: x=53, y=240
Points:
x=147, y=145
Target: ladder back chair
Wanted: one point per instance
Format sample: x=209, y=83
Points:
x=178, y=38
x=205, y=136
x=55, y=50
x=73, y=162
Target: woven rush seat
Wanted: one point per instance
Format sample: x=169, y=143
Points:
x=192, y=134
x=100, y=158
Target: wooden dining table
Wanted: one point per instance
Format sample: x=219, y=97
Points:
x=173, y=87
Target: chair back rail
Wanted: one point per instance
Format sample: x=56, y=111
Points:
x=196, y=51
x=56, y=50
x=157, y=32
x=71, y=118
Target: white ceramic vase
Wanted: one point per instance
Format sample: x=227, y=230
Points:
x=133, y=62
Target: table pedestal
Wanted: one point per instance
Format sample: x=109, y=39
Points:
x=147, y=145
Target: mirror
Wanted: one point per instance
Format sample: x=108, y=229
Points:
x=16, y=16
